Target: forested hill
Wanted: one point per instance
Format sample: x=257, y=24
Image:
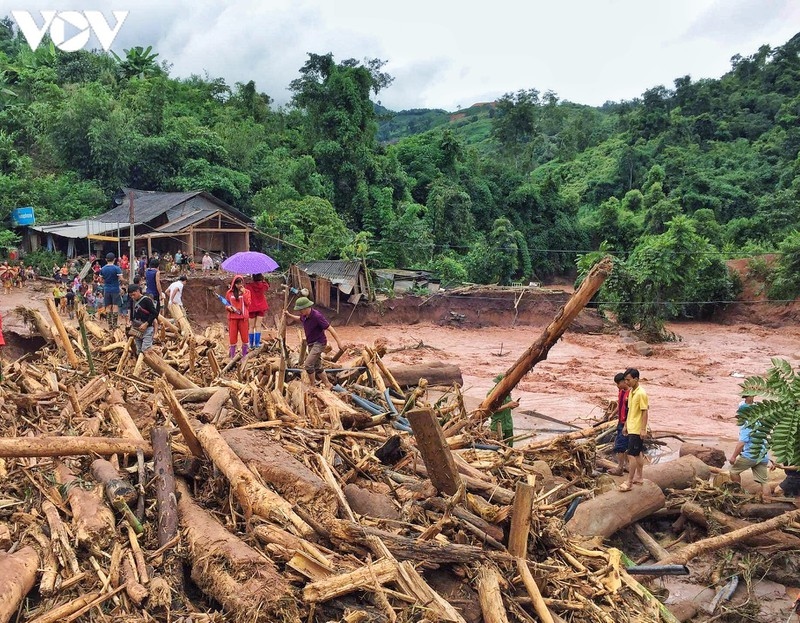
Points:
x=672, y=183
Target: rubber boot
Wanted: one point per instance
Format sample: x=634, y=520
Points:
x=244, y=350
x=232, y=351
x=258, y=339
x=252, y=339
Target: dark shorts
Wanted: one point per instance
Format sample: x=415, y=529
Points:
x=111, y=299
x=255, y=314
x=634, y=445
x=791, y=484
x=313, y=361
x=620, y=441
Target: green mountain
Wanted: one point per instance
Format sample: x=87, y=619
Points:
x=671, y=183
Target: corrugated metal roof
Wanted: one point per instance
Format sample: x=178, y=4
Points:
x=389, y=273
x=149, y=205
x=186, y=220
x=75, y=229
x=342, y=273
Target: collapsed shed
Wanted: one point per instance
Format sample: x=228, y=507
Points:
x=330, y=281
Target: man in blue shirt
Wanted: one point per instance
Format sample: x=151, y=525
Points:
x=111, y=291
x=744, y=456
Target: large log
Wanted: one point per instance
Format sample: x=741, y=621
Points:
x=706, y=517
x=435, y=372
x=284, y=473
x=764, y=511
x=92, y=521
x=489, y=595
x=241, y=579
x=714, y=457
x=199, y=394
x=678, y=474
x=614, y=510
x=70, y=446
x=17, y=578
x=538, y=350
x=215, y=404
x=251, y=494
x=742, y=535
x=435, y=452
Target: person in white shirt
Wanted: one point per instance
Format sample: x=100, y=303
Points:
x=208, y=263
x=175, y=291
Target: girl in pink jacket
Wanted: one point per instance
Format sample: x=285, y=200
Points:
x=239, y=302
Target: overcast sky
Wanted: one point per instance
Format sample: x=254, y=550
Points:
x=445, y=54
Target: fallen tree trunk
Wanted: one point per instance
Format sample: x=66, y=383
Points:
x=678, y=474
x=214, y=405
x=17, y=578
x=92, y=521
x=121, y=418
x=288, y=476
x=776, y=540
x=199, y=394
x=714, y=457
x=742, y=535
x=436, y=454
x=614, y=510
x=20, y=447
x=538, y=350
x=241, y=579
x=251, y=494
x=435, y=372
x=764, y=511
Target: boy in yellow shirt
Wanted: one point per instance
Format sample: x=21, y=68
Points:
x=635, y=428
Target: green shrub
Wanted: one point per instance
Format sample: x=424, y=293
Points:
x=43, y=260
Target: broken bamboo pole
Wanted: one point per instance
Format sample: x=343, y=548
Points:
x=62, y=333
x=538, y=350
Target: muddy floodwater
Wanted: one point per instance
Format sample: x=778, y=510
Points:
x=693, y=383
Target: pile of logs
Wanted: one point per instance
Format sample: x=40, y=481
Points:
x=173, y=486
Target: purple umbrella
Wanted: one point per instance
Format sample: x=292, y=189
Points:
x=249, y=263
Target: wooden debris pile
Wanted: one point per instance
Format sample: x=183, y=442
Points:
x=174, y=486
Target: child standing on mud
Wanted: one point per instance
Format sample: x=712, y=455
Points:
x=258, y=308
x=238, y=304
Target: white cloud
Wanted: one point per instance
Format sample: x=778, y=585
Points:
x=445, y=53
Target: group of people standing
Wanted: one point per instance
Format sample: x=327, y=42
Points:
x=632, y=417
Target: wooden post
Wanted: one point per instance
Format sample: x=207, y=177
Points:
x=539, y=349
x=176, y=311
x=62, y=333
x=489, y=596
x=436, y=454
x=521, y=520
x=542, y=611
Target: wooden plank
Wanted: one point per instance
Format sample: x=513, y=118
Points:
x=435, y=452
x=322, y=291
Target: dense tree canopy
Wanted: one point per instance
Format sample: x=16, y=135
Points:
x=671, y=183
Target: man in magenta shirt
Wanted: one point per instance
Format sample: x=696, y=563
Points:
x=314, y=325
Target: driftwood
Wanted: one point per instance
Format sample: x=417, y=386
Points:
x=613, y=510
x=70, y=446
x=173, y=377
x=241, y=579
x=121, y=418
x=538, y=350
x=17, y=578
x=438, y=459
x=434, y=372
x=678, y=474
x=707, y=517
x=714, y=457
x=490, y=597
x=284, y=473
x=92, y=521
x=252, y=495
x=741, y=535
x=114, y=484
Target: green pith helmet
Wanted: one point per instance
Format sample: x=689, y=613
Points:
x=302, y=303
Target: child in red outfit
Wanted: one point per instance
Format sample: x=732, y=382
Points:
x=258, y=307
x=239, y=302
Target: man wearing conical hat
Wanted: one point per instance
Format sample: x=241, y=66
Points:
x=315, y=325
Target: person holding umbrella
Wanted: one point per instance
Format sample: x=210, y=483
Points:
x=238, y=304
x=258, y=307
x=314, y=325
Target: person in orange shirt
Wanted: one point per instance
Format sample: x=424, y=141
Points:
x=238, y=298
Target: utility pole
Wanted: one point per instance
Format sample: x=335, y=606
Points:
x=132, y=250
